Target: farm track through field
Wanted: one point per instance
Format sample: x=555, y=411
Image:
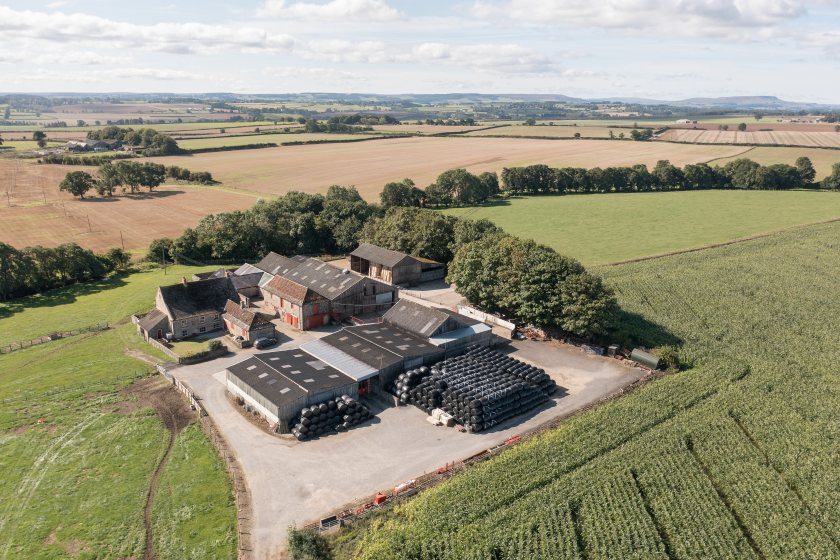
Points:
x=175, y=415
x=716, y=245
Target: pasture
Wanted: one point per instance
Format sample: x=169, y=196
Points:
x=369, y=165
x=34, y=212
x=734, y=458
x=605, y=228
x=78, y=452
x=755, y=138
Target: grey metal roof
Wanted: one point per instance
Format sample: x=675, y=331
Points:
x=415, y=317
x=285, y=376
x=340, y=360
x=457, y=334
x=245, y=281
x=247, y=269
x=393, y=339
x=380, y=255
x=323, y=278
x=366, y=352
x=198, y=297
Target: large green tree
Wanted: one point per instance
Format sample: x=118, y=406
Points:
x=806, y=170
x=77, y=183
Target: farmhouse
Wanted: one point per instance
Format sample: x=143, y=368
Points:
x=187, y=309
x=394, y=267
x=279, y=384
x=250, y=325
x=296, y=304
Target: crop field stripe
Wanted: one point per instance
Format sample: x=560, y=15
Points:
x=790, y=486
x=720, y=494
x=660, y=530
x=574, y=509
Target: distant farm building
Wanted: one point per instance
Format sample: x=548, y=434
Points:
x=394, y=267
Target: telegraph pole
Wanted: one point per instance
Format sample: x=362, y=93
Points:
x=90, y=229
x=121, y=241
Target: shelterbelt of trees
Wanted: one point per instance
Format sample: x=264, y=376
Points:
x=460, y=187
x=36, y=269
x=501, y=273
x=128, y=175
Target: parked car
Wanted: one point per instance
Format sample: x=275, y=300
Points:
x=264, y=342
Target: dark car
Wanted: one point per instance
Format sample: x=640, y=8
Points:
x=264, y=342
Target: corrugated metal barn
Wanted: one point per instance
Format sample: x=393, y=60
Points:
x=279, y=384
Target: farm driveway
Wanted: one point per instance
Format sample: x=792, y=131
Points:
x=293, y=483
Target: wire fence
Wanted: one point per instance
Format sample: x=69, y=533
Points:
x=20, y=345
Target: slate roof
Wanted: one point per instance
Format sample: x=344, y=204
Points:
x=274, y=263
x=220, y=273
x=243, y=317
x=323, y=278
x=285, y=376
x=246, y=281
x=247, y=269
x=197, y=298
x=290, y=290
x=380, y=255
x=152, y=319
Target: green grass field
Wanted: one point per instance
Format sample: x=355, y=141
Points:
x=605, y=228
x=76, y=462
x=107, y=301
x=734, y=458
x=823, y=159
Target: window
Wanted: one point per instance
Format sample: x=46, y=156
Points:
x=201, y=319
x=202, y=329
x=183, y=322
x=216, y=326
x=216, y=317
x=183, y=333
x=373, y=289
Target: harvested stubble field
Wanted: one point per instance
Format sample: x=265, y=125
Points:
x=733, y=459
x=604, y=228
x=63, y=218
x=409, y=128
x=822, y=159
x=369, y=165
x=552, y=131
x=228, y=140
x=756, y=138
x=753, y=126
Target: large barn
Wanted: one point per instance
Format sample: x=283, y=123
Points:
x=394, y=267
x=279, y=384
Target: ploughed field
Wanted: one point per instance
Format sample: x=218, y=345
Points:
x=734, y=458
x=605, y=228
x=369, y=165
x=760, y=138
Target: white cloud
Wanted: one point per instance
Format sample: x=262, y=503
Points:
x=672, y=17
x=507, y=58
x=105, y=76
x=342, y=50
x=178, y=38
x=365, y=10
x=321, y=74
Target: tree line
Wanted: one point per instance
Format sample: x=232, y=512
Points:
x=497, y=271
x=36, y=269
x=128, y=175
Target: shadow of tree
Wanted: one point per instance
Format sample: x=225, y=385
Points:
x=61, y=296
x=632, y=329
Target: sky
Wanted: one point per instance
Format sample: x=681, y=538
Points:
x=662, y=49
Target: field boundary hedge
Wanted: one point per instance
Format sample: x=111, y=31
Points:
x=20, y=345
x=228, y=148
